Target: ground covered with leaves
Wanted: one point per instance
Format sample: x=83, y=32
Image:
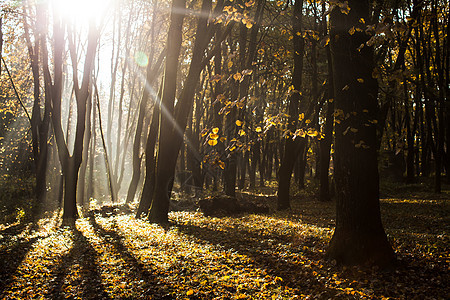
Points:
x=279, y=255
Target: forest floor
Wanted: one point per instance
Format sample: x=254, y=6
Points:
x=280, y=255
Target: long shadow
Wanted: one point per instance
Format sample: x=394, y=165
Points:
x=420, y=217
x=13, y=250
x=257, y=247
x=10, y=260
x=139, y=269
x=83, y=253
x=10, y=232
x=13, y=229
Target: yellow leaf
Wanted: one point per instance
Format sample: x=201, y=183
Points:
x=249, y=3
x=325, y=41
x=213, y=136
x=351, y=31
x=215, y=130
x=237, y=76
x=190, y=292
x=360, y=80
x=238, y=122
x=230, y=64
x=222, y=165
x=223, y=139
x=258, y=129
x=241, y=132
x=212, y=142
x=215, y=78
x=312, y=133
x=307, y=121
x=301, y=116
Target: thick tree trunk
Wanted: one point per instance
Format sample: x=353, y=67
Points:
x=81, y=198
x=70, y=212
x=359, y=237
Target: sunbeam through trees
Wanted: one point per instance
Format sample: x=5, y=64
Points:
x=224, y=149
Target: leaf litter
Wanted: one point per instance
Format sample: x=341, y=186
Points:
x=249, y=256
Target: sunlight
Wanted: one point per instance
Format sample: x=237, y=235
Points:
x=82, y=11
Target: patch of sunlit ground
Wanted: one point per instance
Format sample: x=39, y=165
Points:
x=274, y=256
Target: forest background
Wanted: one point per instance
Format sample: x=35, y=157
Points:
x=228, y=107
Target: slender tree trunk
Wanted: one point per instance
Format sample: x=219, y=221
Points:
x=292, y=147
x=93, y=144
x=39, y=126
x=172, y=132
x=164, y=175
x=150, y=161
x=410, y=171
x=325, y=143
x=147, y=93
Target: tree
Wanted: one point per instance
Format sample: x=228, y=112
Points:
x=359, y=237
x=292, y=146
x=39, y=125
x=174, y=119
x=70, y=163
x=164, y=176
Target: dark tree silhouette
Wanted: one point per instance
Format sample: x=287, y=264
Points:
x=359, y=237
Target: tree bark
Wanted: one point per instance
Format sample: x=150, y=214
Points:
x=172, y=132
x=292, y=147
x=325, y=143
x=359, y=237
x=150, y=161
x=164, y=176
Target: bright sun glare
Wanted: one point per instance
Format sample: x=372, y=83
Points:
x=82, y=10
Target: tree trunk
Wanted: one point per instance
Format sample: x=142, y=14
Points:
x=147, y=93
x=150, y=161
x=325, y=143
x=359, y=237
x=70, y=212
x=164, y=173
x=292, y=147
